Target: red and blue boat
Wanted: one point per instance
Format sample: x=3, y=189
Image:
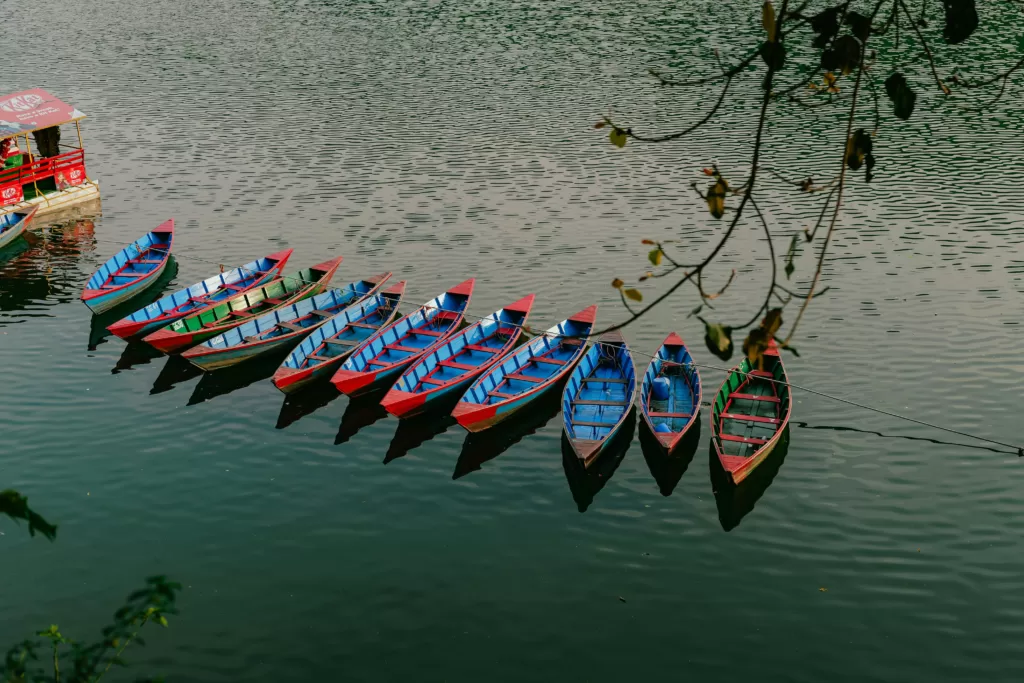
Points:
x=131, y=270
x=12, y=225
x=750, y=414
x=224, y=315
x=383, y=356
x=526, y=374
x=280, y=328
x=201, y=295
x=598, y=396
x=320, y=354
x=450, y=367
x=670, y=395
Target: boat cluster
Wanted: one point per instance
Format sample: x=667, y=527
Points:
x=353, y=337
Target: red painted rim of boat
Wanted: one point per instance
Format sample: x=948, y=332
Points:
x=587, y=316
x=526, y=304
x=465, y=288
x=90, y=294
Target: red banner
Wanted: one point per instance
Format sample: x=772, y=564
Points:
x=11, y=194
x=70, y=176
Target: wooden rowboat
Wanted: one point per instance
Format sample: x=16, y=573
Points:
x=130, y=270
x=383, y=356
x=598, y=396
x=201, y=295
x=281, y=328
x=320, y=354
x=526, y=374
x=450, y=367
x=13, y=225
x=750, y=414
x=671, y=417
x=224, y=315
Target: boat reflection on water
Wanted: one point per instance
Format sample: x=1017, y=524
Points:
x=735, y=502
x=41, y=267
x=175, y=371
x=482, y=446
x=415, y=431
x=221, y=382
x=98, y=332
x=135, y=353
x=301, y=403
x=585, y=483
x=667, y=469
x=361, y=412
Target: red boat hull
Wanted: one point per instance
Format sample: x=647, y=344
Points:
x=169, y=341
x=403, y=403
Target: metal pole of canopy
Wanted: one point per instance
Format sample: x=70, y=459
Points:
x=31, y=161
x=81, y=146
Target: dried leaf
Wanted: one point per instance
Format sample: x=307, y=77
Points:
x=772, y=322
x=633, y=294
x=654, y=256
x=716, y=198
x=647, y=242
x=768, y=20
x=600, y=124
x=617, y=136
x=617, y=283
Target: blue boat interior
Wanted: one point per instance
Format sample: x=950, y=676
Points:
x=9, y=220
x=409, y=336
x=465, y=353
x=138, y=259
x=340, y=335
x=599, y=392
x=297, y=317
x=209, y=291
x=673, y=366
x=532, y=365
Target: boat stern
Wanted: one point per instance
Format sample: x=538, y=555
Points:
x=352, y=383
x=403, y=403
x=474, y=417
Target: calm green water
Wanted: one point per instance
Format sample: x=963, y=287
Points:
x=447, y=140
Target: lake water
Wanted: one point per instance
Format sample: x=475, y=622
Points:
x=440, y=140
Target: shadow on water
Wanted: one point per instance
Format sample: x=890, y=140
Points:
x=135, y=353
x=175, y=371
x=483, y=446
x=415, y=431
x=304, y=402
x=735, y=502
x=221, y=382
x=928, y=439
x=361, y=412
x=585, y=483
x=98, y=331
x=667, y=469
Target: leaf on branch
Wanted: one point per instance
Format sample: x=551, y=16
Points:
x=695, y=311
x=773, y=54
x=961, y=20
x=599, y=125
x=708, y=171
x=654, y=256
x=716, y=198
x=826, y=25
x=857, y=148
x=633, y=294
x=903, y=98
x=617, y=283
x=772, y=322
x=617, y=136
x=790, y=253
x=759, y=338
x=859, y=24
x=843, y=55
x=718, y=338
x=768, y=20
x=647, y=242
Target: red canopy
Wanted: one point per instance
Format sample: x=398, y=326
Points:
x=29, y=110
